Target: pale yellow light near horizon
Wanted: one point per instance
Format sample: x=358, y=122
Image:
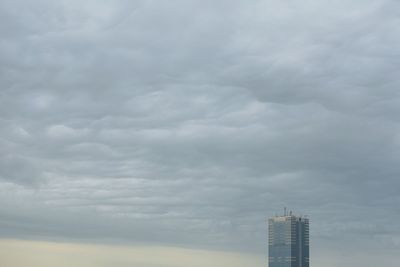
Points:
x=19, y=253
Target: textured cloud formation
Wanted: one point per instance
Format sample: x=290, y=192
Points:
x=190, y=122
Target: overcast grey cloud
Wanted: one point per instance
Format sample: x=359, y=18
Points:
x=188, y=123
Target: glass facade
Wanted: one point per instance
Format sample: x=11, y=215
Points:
x=288, y=241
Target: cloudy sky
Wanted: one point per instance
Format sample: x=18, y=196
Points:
x=178, y=127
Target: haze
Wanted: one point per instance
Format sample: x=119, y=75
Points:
x=132, y=130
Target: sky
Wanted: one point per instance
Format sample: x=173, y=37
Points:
x=178, y=127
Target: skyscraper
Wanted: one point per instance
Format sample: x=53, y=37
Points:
x=288, y=241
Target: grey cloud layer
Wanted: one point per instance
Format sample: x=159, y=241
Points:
x=190, y=122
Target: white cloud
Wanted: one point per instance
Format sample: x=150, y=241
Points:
x=65, y=132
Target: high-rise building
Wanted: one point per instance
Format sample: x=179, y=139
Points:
x=288, y=241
